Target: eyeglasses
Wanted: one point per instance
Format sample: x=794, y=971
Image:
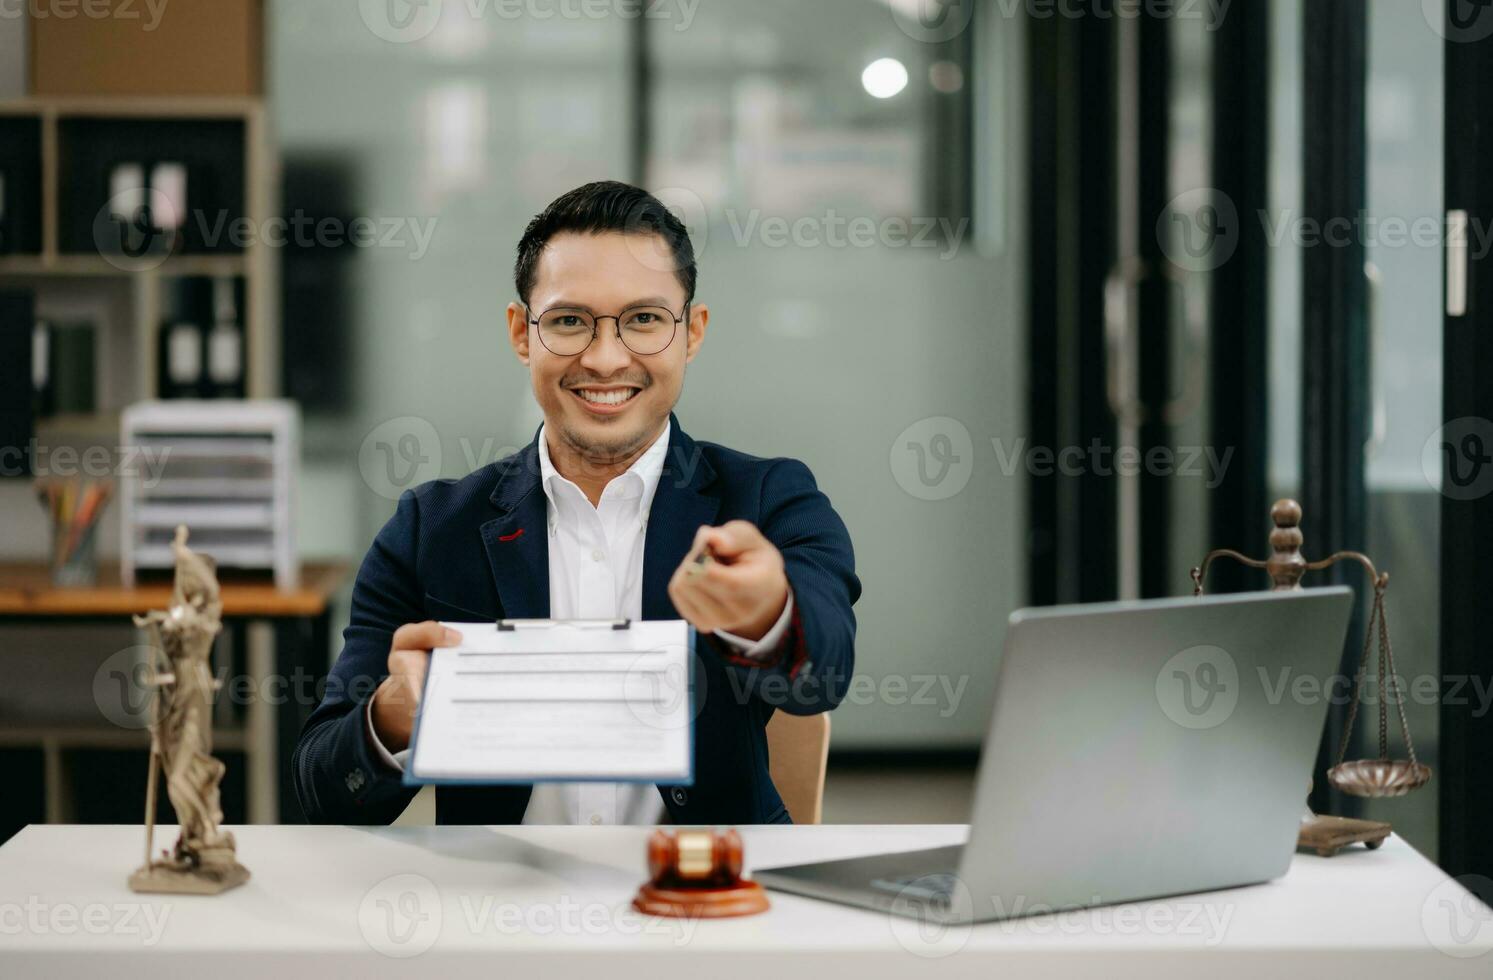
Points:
x=643, y=330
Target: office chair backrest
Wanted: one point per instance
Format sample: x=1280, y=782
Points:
x=798, y=754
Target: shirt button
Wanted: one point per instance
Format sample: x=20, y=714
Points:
x=595, y=819
x=597, y=555
x=679, y=795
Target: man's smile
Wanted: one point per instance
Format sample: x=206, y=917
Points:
x=605, y=399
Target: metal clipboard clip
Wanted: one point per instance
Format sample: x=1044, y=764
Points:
x=511, y=625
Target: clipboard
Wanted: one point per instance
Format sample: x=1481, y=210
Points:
x=523, y=701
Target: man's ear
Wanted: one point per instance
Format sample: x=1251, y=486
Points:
x=518, y=331
x=694, y=331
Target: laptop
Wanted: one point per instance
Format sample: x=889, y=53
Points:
x=1136, y=750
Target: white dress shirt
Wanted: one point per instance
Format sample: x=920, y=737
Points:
x=596, y=572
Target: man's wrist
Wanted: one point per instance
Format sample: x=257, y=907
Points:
x=759, y=627
x=385, y=730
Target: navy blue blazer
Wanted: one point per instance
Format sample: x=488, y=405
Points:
x=476, y=549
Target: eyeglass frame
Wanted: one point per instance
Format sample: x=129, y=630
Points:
x=596, y=319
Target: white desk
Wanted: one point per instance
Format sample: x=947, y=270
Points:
x=553, y=901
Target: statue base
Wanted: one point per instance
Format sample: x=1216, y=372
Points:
x=163, y=877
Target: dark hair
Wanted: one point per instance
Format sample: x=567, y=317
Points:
x=605, y=205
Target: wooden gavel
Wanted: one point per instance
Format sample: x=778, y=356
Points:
x=698, y=858
x=697, y=874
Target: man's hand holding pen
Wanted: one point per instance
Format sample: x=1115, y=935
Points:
x=731, y=580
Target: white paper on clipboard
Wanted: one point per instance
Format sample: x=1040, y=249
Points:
x=558, y=700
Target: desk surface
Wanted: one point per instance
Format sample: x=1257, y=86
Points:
x=540, y=901
x=26, y=589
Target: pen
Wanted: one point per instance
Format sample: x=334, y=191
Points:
x=705, y=557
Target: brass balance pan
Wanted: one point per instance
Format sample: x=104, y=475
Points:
x=1379, y=777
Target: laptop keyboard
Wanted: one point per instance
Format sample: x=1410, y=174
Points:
x=937, y=886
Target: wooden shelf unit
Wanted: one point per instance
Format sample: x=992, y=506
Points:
x=286, y=634
x=256, y=264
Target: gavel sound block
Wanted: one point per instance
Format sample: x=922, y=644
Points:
x=696, y=874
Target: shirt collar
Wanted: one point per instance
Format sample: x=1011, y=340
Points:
x=639, y=482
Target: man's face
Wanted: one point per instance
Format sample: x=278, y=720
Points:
x=606, y=274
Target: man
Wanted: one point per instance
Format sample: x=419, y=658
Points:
x=602, y=516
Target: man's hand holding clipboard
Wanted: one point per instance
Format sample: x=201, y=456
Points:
x=398, y=697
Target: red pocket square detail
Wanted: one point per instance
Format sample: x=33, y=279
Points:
x=512, y=537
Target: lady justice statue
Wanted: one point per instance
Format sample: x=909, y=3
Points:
x=181, y=736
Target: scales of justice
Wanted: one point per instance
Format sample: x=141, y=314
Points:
x=1381, y=777
x=203, y=861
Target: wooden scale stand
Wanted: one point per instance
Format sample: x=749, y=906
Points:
x=1381, y=777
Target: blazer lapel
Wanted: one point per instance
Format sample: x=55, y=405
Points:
x=679, y=508
x=517, y=541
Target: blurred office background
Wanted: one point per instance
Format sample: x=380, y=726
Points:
x=938, y=240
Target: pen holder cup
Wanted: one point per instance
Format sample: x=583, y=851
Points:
x=74, y=557
x=73, y=510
